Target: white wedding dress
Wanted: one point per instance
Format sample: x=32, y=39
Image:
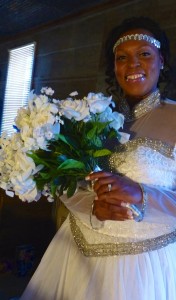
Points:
x=121, y=260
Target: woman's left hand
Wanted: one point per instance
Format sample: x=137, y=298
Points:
x=113, y=191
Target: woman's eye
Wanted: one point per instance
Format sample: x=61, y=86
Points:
x=121, y=57
x=145, y=53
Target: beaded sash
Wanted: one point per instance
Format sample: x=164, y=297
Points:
x=110, y=249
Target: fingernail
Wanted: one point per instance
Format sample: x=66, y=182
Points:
x=123, y=204
x=87, y=177
x=129, y=212
x=96, y=198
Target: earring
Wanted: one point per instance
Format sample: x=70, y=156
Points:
x=162, y=67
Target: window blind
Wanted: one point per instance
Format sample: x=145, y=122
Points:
x=18, y=84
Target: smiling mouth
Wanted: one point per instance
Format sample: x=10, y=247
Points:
x=134, y=77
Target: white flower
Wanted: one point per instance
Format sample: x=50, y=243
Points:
x=38, y=125
x=73, y=94
x=17, y=169
x=47, y=90
x=98, y=102
x=106, y=115
x=37, y=122
x=23, y=117
x=22, y=177
x=76, y=109
x=123, y=137
x=26, y=190
x=116, y=119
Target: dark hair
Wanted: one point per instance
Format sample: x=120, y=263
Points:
x=136, y=23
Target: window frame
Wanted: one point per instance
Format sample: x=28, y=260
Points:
x=3, y=125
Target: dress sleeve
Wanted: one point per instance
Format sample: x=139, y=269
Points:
x=161, y=203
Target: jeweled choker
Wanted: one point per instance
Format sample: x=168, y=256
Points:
x=141, y=108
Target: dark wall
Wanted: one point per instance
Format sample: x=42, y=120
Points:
x=69, y=55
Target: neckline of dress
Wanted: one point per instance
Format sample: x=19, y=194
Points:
x=141, y=108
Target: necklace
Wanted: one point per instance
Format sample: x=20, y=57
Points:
x=141, y=108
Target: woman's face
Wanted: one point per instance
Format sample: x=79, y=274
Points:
x=137, y=67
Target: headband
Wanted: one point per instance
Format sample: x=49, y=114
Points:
x=137, y=37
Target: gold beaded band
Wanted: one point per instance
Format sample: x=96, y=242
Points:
x=137, y=37
x=126, y=248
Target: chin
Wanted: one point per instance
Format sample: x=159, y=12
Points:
x=138, y=94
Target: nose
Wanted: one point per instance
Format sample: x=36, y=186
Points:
x=133, y=61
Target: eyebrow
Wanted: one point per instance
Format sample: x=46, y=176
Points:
x=138, y=48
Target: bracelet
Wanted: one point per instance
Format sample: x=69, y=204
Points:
x=94, y=222
x=144, y=202
x=138, y=214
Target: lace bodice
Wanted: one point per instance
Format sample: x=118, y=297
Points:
x=146, y=161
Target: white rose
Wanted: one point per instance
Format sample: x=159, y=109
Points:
x=98, y=102
x=106, y=115
x=76, y=109
x=117, y=120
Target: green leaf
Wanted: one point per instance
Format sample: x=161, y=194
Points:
x=37, y=159
x=63, y=138
x=71, y=164
x=40, y=182
x=91, y=133
x=70, y=141
x=96, y=141
x=101, y=126
x=72, y=188
x=103, y=152
x=113, y=134
x=97, y=129
x=53, y=189
x=45, y=175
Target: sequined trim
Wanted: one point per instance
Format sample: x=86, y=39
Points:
x=141, y=108
x=111, y=249
x=137, y=37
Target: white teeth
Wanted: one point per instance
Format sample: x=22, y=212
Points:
x=135, y=76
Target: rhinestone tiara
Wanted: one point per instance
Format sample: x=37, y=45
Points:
x=137, y=37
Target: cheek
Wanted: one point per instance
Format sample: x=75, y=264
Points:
x=154, y=72
x=154, y=67
x=119, y=74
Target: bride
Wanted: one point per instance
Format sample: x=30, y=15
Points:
x=126, y=247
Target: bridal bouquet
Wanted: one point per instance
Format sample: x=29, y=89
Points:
x=56, y=144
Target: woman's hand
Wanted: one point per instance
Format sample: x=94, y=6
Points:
x=113, y=192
